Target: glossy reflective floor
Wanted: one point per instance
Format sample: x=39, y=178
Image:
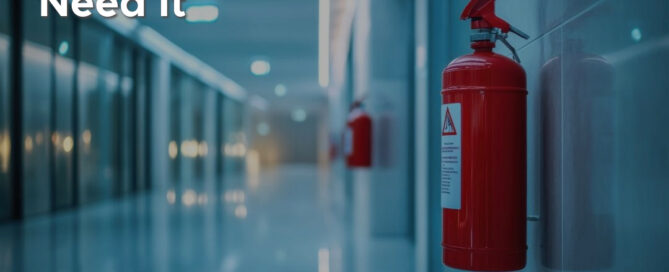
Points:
x=288, y=219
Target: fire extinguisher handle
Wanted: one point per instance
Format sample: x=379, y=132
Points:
x=518, y=32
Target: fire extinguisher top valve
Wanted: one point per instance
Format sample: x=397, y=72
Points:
x=487, y=26
x=356, y=105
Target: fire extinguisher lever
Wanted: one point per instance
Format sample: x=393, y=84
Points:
x=511, y=48
x=502, y=37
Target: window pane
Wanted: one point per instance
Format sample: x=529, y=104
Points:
x=208, y=141
x=5, y=186
x=235, y=140
x=174, y=151
x=189, y=131
x=123, y=119
x=62, y=137
x=219, y=148
x=97, y=85
x=141, y=62
x=37, y=61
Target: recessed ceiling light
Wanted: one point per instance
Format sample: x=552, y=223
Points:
x=202, y=14
x=260, y=67
x=299, y=115
x=262, y=129
x=63, y=48
x=280, y=90
x=636, y=34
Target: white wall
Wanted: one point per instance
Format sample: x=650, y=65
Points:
x=383, y=72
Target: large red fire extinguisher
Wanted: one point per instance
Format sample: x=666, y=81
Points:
x=358, y=137
x=483, y=151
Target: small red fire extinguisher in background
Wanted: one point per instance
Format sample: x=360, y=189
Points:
x=483, y=151
x=358, y=137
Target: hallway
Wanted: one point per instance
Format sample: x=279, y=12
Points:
x=334, y=136
x=283, y=221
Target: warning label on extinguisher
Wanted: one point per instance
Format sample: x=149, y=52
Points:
x=451, y=159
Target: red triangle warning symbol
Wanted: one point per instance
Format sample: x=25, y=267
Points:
x=449, y=126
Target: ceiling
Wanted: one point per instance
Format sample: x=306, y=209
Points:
x=285, y=32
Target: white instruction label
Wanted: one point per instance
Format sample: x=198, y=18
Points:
x=451, y=157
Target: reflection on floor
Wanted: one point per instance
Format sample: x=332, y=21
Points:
x=283, y=220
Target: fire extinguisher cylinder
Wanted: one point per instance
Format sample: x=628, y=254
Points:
x=483, y=152
x=358, y=138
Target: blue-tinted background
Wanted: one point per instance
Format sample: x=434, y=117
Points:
x=166, y=144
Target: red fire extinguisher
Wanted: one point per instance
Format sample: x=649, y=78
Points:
x=358, y=137
x=483, y=151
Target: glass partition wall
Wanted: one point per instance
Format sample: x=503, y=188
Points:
x=196, y=128
x=37, y=58
x=5, y=183
x=61, y=118
x=83, y=127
